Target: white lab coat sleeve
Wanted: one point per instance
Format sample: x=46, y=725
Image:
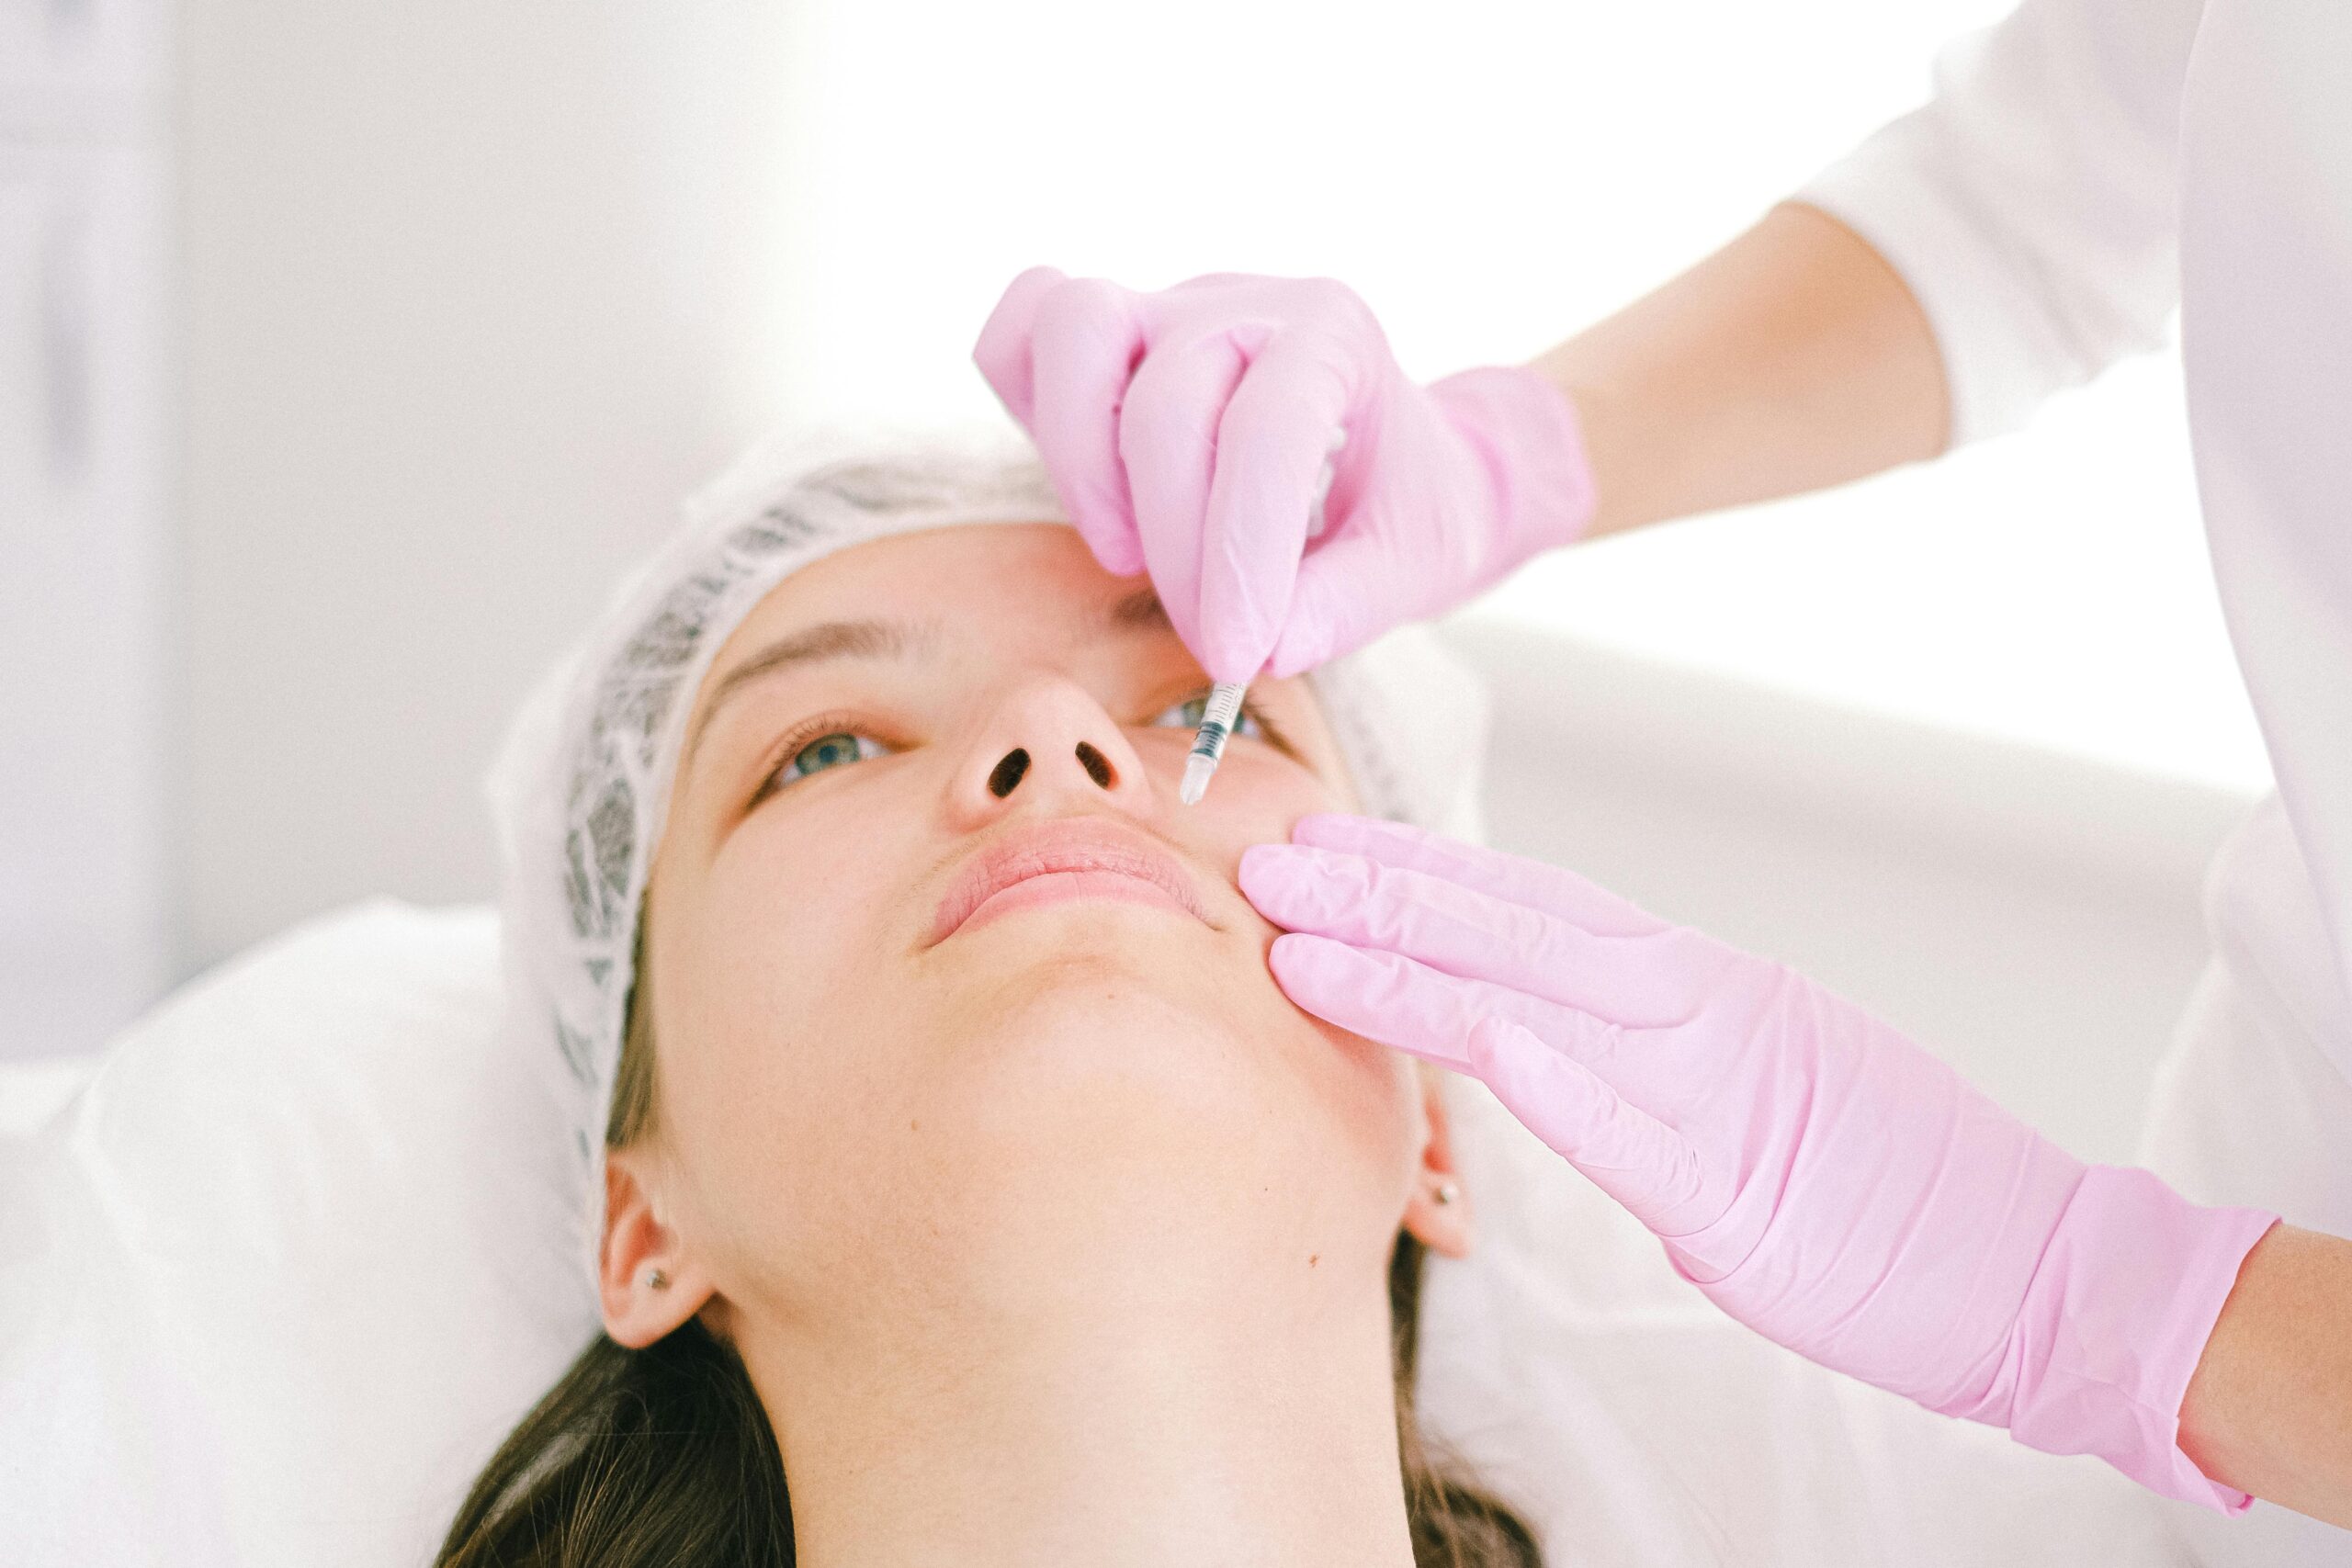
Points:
x=2031, y=203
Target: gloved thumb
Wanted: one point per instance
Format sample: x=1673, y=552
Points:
x=1627, y=1153
x=1343, y=599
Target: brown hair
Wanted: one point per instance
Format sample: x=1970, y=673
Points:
x=654, y=1457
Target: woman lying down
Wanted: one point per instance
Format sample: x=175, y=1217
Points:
x=958, y=1185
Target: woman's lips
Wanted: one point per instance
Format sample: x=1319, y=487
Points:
x=1071, y=857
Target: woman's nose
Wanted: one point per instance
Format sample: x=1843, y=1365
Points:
x=1049, y=742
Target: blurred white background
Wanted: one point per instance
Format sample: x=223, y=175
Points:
x=402, y=330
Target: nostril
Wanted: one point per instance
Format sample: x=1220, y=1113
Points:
x=1097, y=766
x=1007, y=772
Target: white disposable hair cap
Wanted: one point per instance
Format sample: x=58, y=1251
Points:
x=580, y=788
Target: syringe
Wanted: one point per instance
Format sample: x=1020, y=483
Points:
x=1217, y=723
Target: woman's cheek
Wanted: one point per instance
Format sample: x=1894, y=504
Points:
x=787, y=935
x=1261, y=804
x=820, y=878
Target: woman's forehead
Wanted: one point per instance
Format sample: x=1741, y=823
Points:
x=1012, y=572
x=1023, y=589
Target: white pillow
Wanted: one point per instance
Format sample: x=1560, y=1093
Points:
x=286, y=1272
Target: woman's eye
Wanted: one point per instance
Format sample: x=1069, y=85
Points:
x=1188, y=713
x=825, y=751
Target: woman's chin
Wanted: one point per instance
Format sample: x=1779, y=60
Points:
x=1127, y=954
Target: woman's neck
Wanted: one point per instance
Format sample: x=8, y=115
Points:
x=1122, y=1423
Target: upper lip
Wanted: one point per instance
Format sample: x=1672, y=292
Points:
x=1069, y=843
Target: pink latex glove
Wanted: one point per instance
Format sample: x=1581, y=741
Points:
x=1186, y=432
x=1819, y=1176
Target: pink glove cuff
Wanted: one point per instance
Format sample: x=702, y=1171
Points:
x=1531, y=444
x=2112, y=1330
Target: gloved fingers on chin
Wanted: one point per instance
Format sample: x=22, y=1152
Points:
x=1398, y=1002
x=1538, y=884
x=1635, y=982
x=1637, y=1160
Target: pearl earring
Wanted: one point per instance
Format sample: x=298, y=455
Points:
x=1447, y=1191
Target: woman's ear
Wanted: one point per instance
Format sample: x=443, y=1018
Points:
x=1438, y=1212
x=645, y=1280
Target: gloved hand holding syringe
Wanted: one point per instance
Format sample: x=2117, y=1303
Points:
x=1253, y=445
x=1224, y=705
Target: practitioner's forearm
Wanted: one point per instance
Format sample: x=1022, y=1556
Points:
x=1791, y=359
x=2270, y=1410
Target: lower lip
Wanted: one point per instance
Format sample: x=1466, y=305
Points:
x=1054, y=887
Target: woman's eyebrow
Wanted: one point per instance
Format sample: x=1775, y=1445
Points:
x=811, y=645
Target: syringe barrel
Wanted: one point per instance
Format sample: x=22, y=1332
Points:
x=1216, y=722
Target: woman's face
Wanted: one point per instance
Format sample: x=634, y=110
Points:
x=950, y=995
